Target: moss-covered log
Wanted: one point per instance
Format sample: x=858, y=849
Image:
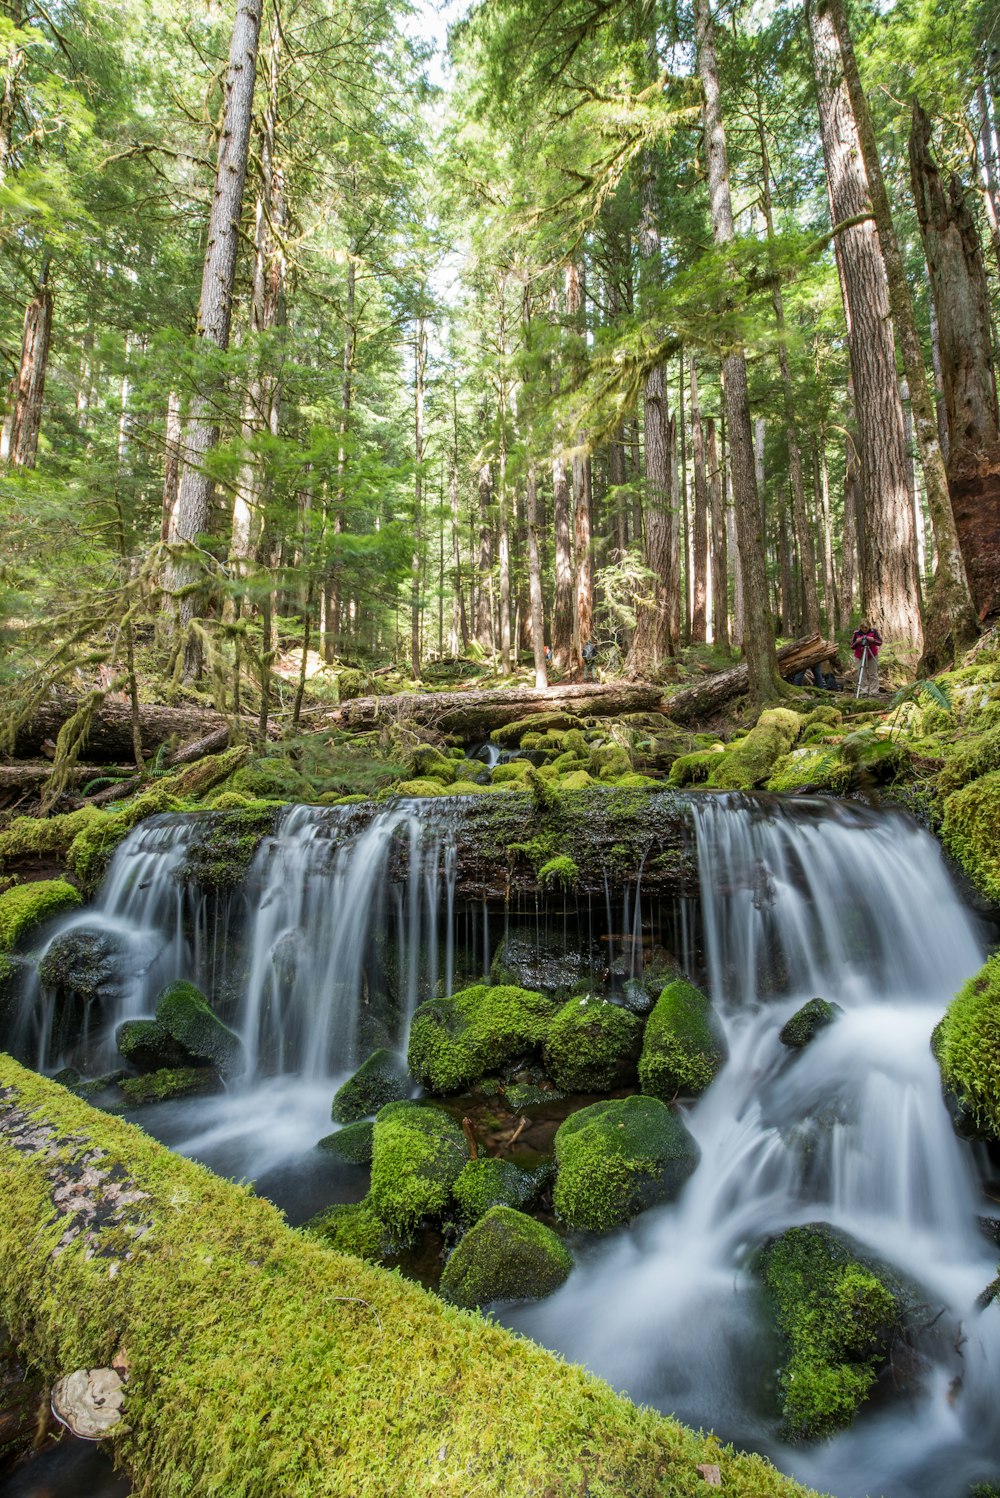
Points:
x=693, y=703
x=260, y=1362
x=110, y=734
x=477, y=714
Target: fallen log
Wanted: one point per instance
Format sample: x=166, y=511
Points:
x=255, y=1360
x=212, y=743
x=692, y=703
x=109, y=737
x=476, y=714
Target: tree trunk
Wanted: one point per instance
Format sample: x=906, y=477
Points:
x=484, y=612
x=889, y=589
x=21, y=444
x=758, y=636
x=215, y=307
x=419, y=382
x=475, y=714
x=699, y=579
x=692, y=704
x=961, y=298
x=720, y=550
x=949, y=620
x=109, y=737
x=562, y=611
x=535, y=583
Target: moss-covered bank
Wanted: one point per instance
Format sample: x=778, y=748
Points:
x=261, y=1363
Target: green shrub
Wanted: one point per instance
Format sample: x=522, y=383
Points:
x=615, y=1159
x=683, y=1048
x=505, y=1256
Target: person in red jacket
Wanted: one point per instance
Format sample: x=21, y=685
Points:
x=866, y=643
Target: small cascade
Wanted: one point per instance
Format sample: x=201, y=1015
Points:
x=801, y=899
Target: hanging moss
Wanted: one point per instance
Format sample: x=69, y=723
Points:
x=560, y=872
x=382, y=1079
x=27, y=905
x=971, y=832
x=967, y=1047
x=683, y=1047
x=506, y=1256
x=838, y=1316
x=592, y=1046
x=615, y=1159
x=418, y=1153
x=454, y=1042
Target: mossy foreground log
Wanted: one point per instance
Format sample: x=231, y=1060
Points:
x=477, y=714
x=261, y=1364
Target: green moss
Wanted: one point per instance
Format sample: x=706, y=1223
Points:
x=418, y=1153
x=631, y=781
x=224, y=846
x=489, y=1182
x=185, y=1014
x=301, y=1371
x=505, y=1256
x=167, y=1083
x=514, y=770
x=592, y=1046
x=838, y=1318
x=878, y=757
x=694, y=769
x=427, y=762
x=609, y=761
x=971, y=832
x=272, y=778
x=810, y=769
x=967, y=1047
x=575, y=780
x=473, y=788
x=351, y=1228
x=92, y=847
x=149, y=1046
x=353, y=1143
x=382, y=1079
x=969, y=759
x=560, y=872
x=806, y=1023
x=27, y=905
x=419, y=788
x=683, y=1049
x=538, y=723
x=749, y=762
x=231, y=801
x=615, y=1159
x=828, y=716
x=454, y=1042
x=30, y=837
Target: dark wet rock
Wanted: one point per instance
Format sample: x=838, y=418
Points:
x=148, y=1046
x=87, y=964
x=806, y=1023
x=546, y=961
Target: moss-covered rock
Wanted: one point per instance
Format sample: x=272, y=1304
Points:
x=749, y=762
x=352, y=1143
x=592, y=1046
x=543, y=960
x=149, y=1047
x=608, y=761
x=806, y=1023
x=84, y=963
x=538, y=723
x=224, y=845
x=694, y=768
x=513, y=772
x=575, y=780
x=490, y=1182
x=382, y=1079
x=27, y=905
x=419, y=788
x=505, y=1256
x=454, y=1042
x=809, y=769
x=169, y=1082
x=426, y=762
x=971, y=832
x=615, y=1159
x=418, y=1153
x=185, y=1014
x=34, y=837
x=92, y=847
x=683, y=1047
x=271, y=778
x=967, y=1046
x=969, y=759
x=838, y=1316
x=351, y=1228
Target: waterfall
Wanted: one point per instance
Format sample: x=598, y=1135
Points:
x=801, y=899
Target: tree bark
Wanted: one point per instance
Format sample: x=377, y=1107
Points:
x=758, y=625
x=699, y=579
x=484, y=611
x=961, y=298
x=29, y=385
x=889, y=589
x=562, y=610
x=215, y=308
x=419, y=383
x=720, y=550
x=473, y=714
x=692, y=704
x=110, y=734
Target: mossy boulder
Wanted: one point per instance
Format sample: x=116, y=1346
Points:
x=967, y=1046
x=514, y=772
x=149, y=1047
x=749, y=762
x=35, y=837
x=970, y=759
x=351, y=1228
x=971, y=832
x=352, y=1144
x=694, y=768
x=419, y=788
x=271, y=778
x=490, y=1182
x=615, y=1159
x=539, y=723
x=683, y=1047
x=838, y=1313
x=575, y=780
x=418, y=1153
x=806, y=1023
x=454, y=1042
x=185, y=1013
x=608, y=761
x=27, y=905
x=426, y=762
x=876, y=757
x=592, y=1046
x=382, y=1079
x=169, y=1082
x=505, y=1256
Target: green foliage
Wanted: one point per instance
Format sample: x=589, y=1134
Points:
x=505, y=1256
x=615, y=1159
x=967, y=1047
x=838, y=1317
x=27, y=905
x=815, y=769
x=418, y=1153
x=185, y=1014
x=381, y=1079
x=28, y=837
x=592, y=1046
x=453, y=1042
x=971, y=832
x=560, y=872
x=682, y=1049
x=92, y=847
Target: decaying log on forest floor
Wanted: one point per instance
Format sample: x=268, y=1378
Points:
x=693, y=703
x=476, y=714
x=109, y=738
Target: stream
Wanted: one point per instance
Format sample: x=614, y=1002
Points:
x=320, y=955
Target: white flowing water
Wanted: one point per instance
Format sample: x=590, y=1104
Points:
x=852, y=1131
